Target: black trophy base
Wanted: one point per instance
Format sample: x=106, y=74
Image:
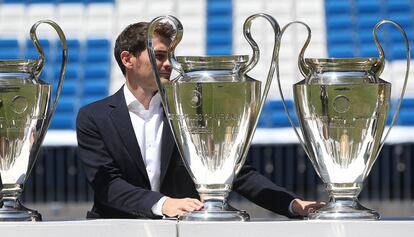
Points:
x=15, y=211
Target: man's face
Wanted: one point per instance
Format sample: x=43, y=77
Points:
x=141, y=70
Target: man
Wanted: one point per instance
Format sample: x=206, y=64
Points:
x=128, y=151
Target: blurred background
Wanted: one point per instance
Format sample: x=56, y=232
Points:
x=340, y=28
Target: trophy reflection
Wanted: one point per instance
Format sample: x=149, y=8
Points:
x=342, y=108
x=213, y=108
x=25, y=114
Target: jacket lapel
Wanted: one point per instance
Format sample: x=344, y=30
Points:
x=122, y=121
x=167, y=145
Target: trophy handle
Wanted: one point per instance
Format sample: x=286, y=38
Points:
x=305, y=70
x=41, y=62
x=171, y=54
x=251, y=63
x=382, y=59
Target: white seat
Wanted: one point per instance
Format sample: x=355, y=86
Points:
x=100, y=19
x=42, y=11
x=12, y=20
x=71, y=18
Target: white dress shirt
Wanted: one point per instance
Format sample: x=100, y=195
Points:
x=148, y=124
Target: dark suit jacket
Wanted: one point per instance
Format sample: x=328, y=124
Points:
x=112, y=161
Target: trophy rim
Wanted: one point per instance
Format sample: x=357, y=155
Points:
x=231, y=63
x=213, y=59
x=333, y=61
x=17, y=65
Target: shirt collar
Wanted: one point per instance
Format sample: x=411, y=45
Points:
x=135, y=106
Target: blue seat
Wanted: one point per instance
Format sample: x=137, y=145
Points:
x=63, y=121
x=69, y=88
x=406, y=117
x=9, y=43
x=334, y=7
x=219, y=39
x=14, y=1
x=9, y=49
x=407, y=103
x=280, y=119
x=66, y=104
x=369, y=50
x=220, y=23
x=219, y=50
x=403, y=19
x=368, y=6
x=342, y=51
x=398, y=5
x=367, y=22
x=98, y=71
x=9, y=54
x=72, y=1
x=97, y=56
x=277, y=105
x=340, y=36
x=219, y=8
x=41, y=1
x=99, y=1
x=96, y=87
x=340, y=22
x=102, y=43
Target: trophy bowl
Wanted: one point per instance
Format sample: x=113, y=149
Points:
x=213, y=108
x=342, y=108
x=25, y=115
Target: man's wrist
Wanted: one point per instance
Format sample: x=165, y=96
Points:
x=291, y=210
x=157, y=208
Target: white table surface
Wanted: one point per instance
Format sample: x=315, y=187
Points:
x=91, y=228
x=170, y=228
x=383, y=228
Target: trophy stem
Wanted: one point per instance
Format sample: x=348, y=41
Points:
x=216, y=208
x=344, y=204
x=12, y=209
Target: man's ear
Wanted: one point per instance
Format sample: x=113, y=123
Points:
x=126, y=58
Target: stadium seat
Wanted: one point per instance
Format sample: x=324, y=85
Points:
x=9, y=49
x=63, y=121
x=333, y=7
x=368, y=6
x=405, y=117
x=398, y=5
x=66, y=104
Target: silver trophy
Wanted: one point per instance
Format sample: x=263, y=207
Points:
x=25, y=115
x=213, y=108
x=342, y=108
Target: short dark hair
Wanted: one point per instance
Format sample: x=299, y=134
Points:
x=133, y=39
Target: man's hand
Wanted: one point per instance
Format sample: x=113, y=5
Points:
x=178, y=207
x=304, y=208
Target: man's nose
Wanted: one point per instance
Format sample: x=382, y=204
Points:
x=167, y=64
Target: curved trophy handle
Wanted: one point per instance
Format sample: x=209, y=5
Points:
x=41, y=62
x=252, y=62
x=171, y=54
x=305, y=70
x=379, y=66
x=382, y=59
